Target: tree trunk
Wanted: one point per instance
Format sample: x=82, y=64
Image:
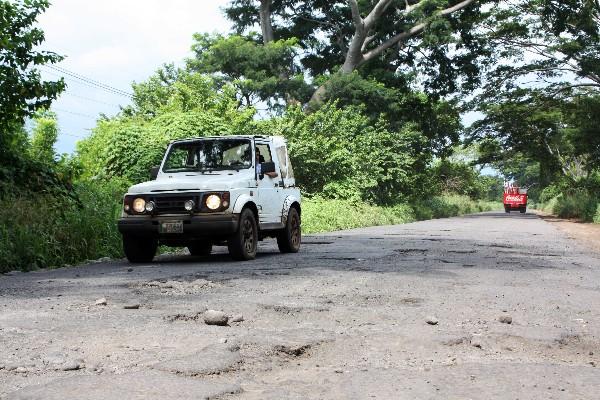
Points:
x=265, y=21
x=353, y=59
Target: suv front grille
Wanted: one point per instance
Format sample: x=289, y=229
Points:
x=174, y=204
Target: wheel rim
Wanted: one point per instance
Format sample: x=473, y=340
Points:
x=248, y=232
x=295, y=231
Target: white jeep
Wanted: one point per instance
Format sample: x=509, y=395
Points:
x=227, y=190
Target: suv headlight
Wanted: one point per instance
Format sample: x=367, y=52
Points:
x=213, y=202
x=139, y=205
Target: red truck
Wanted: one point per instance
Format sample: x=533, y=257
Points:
x=515, y=198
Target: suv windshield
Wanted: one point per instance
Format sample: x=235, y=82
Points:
x=209, y=155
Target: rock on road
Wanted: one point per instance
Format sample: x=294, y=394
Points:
x=486, y=306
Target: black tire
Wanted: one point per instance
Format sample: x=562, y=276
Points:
x=522, y=210
x=243, y=243
x=507, y=209
x=290, y=237
x=200, y=249
x=139, y=249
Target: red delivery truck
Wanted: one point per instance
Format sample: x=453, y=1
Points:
x=515, y=198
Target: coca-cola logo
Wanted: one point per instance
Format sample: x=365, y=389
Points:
x=514, y=198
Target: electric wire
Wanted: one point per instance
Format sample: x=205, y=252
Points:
x=80, y=82
x=88, y=80
x=67, y=93
x=75, y=113
x=90, y=84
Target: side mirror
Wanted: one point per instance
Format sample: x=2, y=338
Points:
x=267, y=167
x=154, y=172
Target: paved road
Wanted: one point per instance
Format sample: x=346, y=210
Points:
x=344, y=319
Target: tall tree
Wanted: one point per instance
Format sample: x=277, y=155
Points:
x=22, y=91
x=436, y=36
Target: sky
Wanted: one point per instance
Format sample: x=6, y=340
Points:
x=115, y=43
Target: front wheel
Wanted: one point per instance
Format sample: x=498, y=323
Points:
x=243, y=243
x=507, y=209
x=139, y=249
x=522, y=210
x=288, y=240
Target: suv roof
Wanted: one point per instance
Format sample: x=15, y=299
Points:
x=220, y=137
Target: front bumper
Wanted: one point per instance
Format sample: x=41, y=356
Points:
x=194, y=226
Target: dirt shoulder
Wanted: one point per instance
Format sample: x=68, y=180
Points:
x=584, y=232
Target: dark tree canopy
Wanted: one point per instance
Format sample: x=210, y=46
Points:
x=434, y=37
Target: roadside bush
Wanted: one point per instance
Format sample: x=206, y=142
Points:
x=458, y=177
x=578, y=204
x=549, y=193
x=50, y=231
x=452, y=205
x=597, y=215
x=340, y=154
x=325, y=215
x=128, y=145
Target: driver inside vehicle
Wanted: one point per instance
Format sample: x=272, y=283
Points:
x=259, y=160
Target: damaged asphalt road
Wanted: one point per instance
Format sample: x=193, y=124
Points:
x=483, y=306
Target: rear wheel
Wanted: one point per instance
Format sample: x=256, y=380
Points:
x=522, y=210
x=243, y=243
x=290, y=237
x=200, y=249
x=507, y=209
x=139, y=249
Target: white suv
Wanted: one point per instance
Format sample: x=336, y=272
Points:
x=226, y=190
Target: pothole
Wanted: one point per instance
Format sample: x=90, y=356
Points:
x=412, y=301
x=184, y=317
x=292, y=310
x=178, y=287
x=292, y=350
x=405, y=251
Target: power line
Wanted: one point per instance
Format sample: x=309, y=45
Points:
x=89, y=99
x=76, y=136
x=85, y=81
x=75, y=113
x=78, y=82
x=89, y=80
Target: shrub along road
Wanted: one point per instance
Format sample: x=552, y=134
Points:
x=482, y=306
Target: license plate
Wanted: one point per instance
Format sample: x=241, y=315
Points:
x=171, y=227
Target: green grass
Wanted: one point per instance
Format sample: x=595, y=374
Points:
x=323, y=215
x=45, y=231
x=580, y=205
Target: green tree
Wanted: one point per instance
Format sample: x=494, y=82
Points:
x=260, y=72
x=555, y=44
x=529, y=130
x=43, y=138
x=22, y=91
x=183, y=105
x=436, y=37
x=341, y=153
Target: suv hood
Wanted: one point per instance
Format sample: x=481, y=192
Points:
x=188, y=183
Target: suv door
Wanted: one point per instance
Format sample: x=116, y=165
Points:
x=268, y=188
